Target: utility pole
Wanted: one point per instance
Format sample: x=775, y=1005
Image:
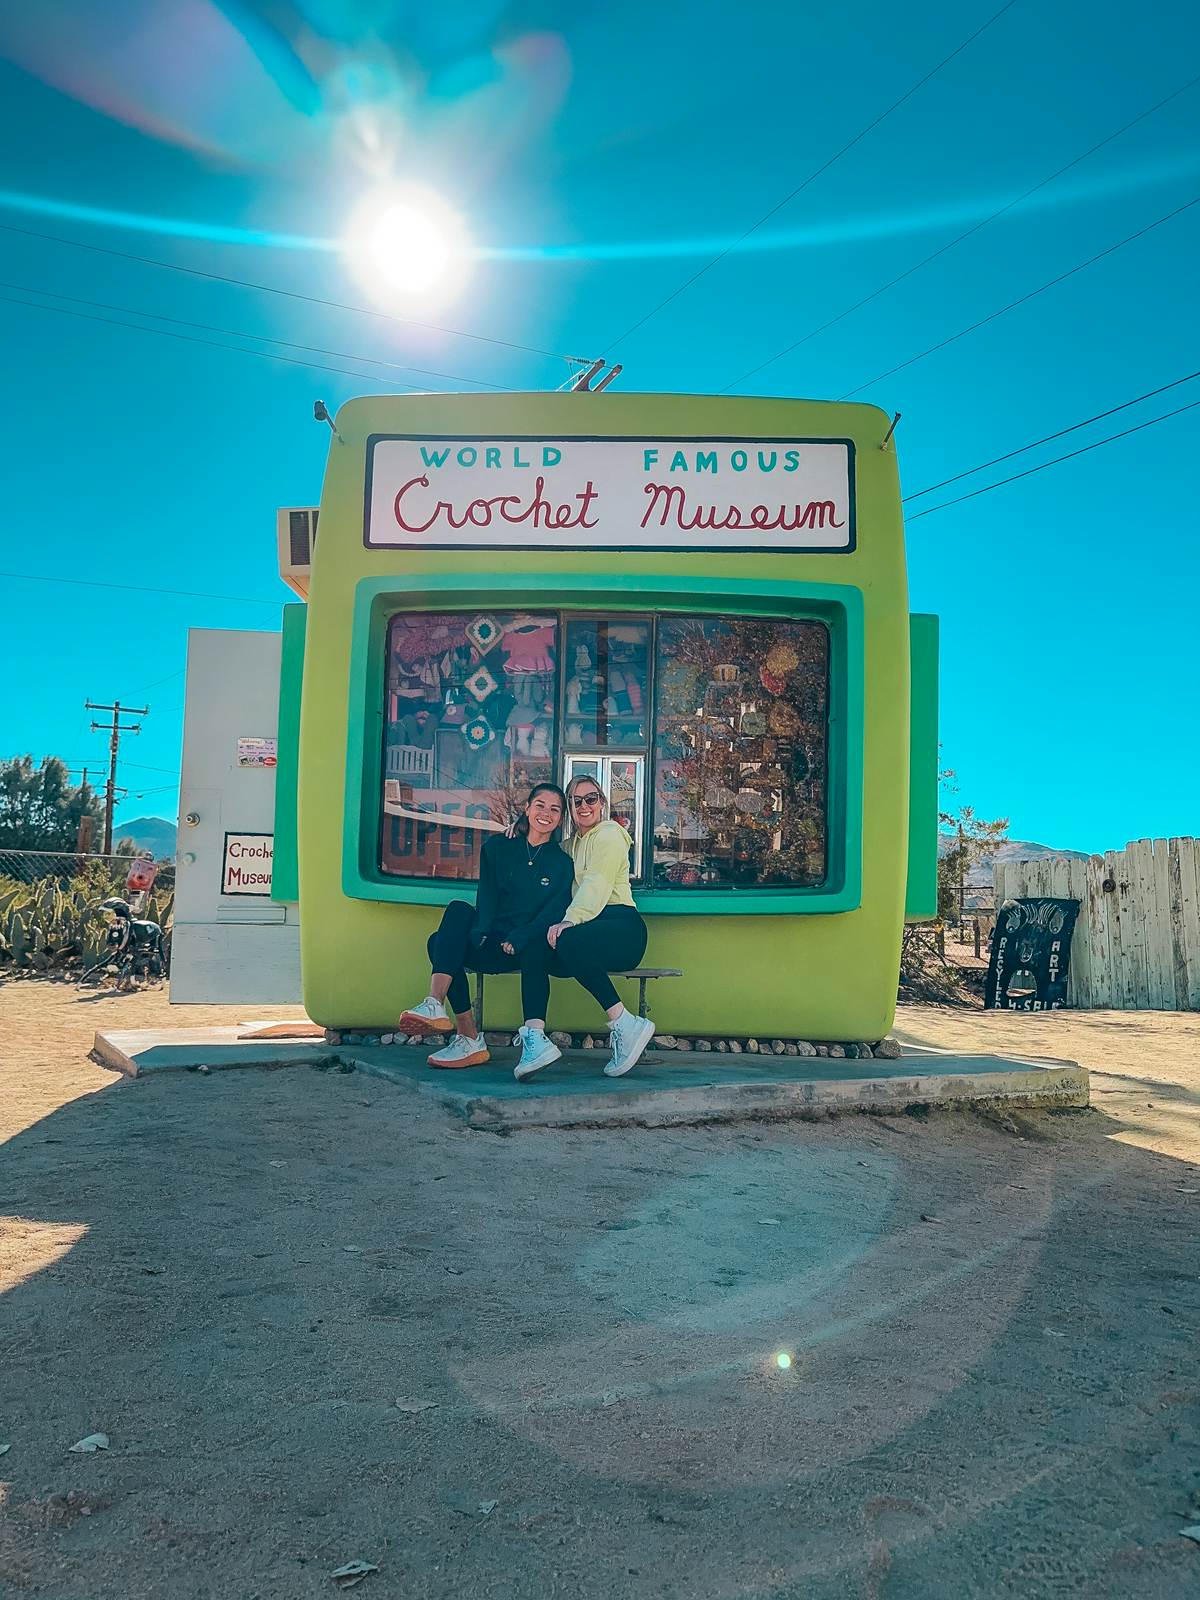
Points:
x=115, y=729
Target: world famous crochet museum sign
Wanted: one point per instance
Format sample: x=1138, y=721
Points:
x=776, y=495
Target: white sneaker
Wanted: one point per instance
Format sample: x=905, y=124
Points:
x=429, y=1017
x=537, y=1051
x=630, y=1036
x=460, y=1052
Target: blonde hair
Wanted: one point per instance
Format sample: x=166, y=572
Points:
x=584, y=777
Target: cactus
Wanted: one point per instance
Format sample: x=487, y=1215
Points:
x=51, y=925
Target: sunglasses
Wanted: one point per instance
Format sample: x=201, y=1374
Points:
x=585, y=799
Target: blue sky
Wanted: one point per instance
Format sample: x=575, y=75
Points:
x=603, y=153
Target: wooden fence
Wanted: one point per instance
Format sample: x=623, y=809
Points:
x=1137, y=941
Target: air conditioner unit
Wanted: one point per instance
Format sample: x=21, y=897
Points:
x=295, y=536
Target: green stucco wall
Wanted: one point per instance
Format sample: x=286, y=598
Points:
x=920, y=902
x=808, y=971
x=285, y=874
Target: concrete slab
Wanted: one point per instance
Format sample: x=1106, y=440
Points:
x=665, y=1088
x=135, y=1051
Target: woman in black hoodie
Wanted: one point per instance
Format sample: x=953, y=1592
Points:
x=524, y=888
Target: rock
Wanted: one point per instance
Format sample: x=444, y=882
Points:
x=790, y=1049
x=703, y=1044
x=821, y=1049
x=804, y=1048
x=387, y=1038
x=666, y=1041
x=778, y=1046
x=752, y=1047
x=723, y=1044
x=887, y=1050
x=496, y=1041
x=855, y=1051
x=332, y=1036
x=836, y=1050
x=683, y=1044
x=734, y=1047
x=588, y=1042
x=562, y=1040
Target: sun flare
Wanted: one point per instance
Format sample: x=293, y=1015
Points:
x=405, y=244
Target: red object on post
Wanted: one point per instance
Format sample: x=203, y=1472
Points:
x=141, y=876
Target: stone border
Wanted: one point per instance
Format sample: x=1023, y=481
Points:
x=881, y=1049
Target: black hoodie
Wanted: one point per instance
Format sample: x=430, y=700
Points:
x=520, y=898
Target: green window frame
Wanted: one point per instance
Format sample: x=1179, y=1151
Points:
x=839, y=606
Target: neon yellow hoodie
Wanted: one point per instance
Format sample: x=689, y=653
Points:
x=601, y=857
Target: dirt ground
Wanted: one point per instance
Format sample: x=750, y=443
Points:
x=994, y=1325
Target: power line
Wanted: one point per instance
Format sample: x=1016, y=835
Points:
x=942, y=249
x=812, y=177
x=1071, y=454
x=170, y=677
x=191, y=338
x=1033, y=293
x=237, y=333
x=1046, y=438
x=135, y=588
x=290, y=294
x=144, y=794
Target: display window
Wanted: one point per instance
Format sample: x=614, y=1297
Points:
x=740, y=753
x=710, y=735
x=607, y=666
x=469, y=728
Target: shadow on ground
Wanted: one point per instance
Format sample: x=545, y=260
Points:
x=993, y=1328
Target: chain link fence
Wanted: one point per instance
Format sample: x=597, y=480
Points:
x=32, y=866
x=51, y=921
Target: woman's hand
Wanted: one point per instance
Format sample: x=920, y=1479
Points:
x=507, y=948
x=553, y=933
x=511, y=831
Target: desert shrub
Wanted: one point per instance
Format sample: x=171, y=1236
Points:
x=53, y=925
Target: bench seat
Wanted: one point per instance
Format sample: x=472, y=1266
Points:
x=644, y=975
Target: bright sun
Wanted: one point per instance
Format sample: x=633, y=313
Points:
x=405, y=243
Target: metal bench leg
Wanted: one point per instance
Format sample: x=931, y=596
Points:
x=479, y=1001
x=642, y=996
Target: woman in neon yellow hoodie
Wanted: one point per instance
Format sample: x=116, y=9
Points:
x=601, y=932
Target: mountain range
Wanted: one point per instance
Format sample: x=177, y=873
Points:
x=980, y=874
x=149, y=833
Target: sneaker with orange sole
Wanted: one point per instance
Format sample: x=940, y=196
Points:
x=429, y=1017
x=460, y=1052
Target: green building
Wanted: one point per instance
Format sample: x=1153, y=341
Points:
x=701, y=601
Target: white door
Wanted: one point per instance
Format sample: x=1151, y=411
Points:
x=623, y=780
x=231, y=943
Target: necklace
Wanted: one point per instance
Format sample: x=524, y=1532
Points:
x=532, y=855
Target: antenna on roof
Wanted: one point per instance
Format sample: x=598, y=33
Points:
x=584, y=380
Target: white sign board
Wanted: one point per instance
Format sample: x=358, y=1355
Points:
x=257, y=753
x=610, y=494
x=246, y=868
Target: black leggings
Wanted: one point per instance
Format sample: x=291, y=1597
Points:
x=613, y=941
x=451, y=950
